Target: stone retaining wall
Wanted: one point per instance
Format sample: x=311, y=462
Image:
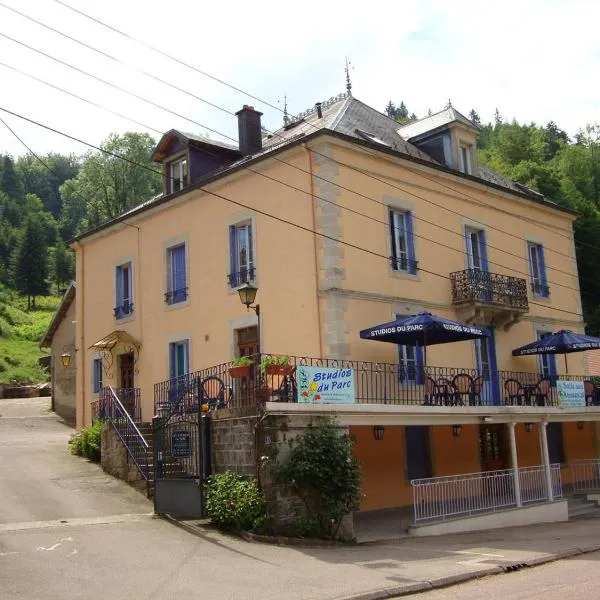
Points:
x=116, y=462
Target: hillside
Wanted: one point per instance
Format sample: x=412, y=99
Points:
x=20, y=332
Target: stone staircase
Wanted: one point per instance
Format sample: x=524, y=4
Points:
x=583, y=506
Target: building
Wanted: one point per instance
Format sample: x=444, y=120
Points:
x=60, y=338
x=344, y=219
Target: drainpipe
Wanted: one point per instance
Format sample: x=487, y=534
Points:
x=514, y=463
x=546, y=459
x=79, y=351
x=315, y=247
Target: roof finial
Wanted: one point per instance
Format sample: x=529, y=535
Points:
x=286, y=117
x=449, y=103
x=348, y=82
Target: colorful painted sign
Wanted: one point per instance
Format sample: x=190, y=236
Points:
x=325, y=385
x=570, y=393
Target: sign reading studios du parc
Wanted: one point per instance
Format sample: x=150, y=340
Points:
x=325, y=385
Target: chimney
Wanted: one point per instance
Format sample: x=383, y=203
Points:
x=319, y=112
x=249, y=130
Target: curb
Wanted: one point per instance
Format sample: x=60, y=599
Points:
x=398, y=591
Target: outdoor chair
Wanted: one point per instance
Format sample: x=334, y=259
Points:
x=463, y=389
x=431, y=392
x=446, y=391
x=212, y=392
x=543, y=391
x=514, y=392
x=591, y=393
x=476, y=389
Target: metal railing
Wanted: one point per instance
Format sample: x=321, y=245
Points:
x=374, y=383
x=475, y=285
x=123, y=310
x=111, y=409
x=242, y=276
x=175, y=296
x=585, y=475
x=443, y=498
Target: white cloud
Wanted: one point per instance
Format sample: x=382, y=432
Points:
x=535, y=61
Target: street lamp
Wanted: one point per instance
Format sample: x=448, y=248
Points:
x=247, y=294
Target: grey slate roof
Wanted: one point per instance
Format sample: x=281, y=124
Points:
x=434, y=121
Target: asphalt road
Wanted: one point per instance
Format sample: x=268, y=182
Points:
x=577, y=577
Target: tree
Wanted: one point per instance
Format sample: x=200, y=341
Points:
x=474, y=118
x=108, y=185
x=31, y=261
x=497, y=118
x=10, y=182
x=62, y=266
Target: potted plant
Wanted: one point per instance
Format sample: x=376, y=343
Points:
x=276, y=365
x=240, y=367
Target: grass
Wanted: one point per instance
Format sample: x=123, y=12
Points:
x=20, y=334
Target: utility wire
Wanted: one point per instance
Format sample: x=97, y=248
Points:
x=246, y=206
x=225, y=83
x=348, y=209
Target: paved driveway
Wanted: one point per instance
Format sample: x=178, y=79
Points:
x=41, y=481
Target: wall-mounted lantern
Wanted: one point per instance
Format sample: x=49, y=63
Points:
x=378, y=431
x=456, y=430
x=580, y=424
x=65, y=359
x=528, y=427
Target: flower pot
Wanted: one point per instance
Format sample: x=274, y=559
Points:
x=282, y=370
x=239, y=372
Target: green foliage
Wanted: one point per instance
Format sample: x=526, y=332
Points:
x=270, y=360
x=62, y=266
x=322, y=471
x=234, y=502
x=87, y=442
x=399, y=113
x=19, y=362
x=242, y=361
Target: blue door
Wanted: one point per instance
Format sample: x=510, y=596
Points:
x=487, y=368
x=418, y=453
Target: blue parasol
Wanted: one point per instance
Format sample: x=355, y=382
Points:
x=561, y=342
x=423, y=329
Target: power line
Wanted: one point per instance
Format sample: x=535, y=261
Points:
x=246, y=206
x=225, y=83
x=552, y=230
x=348, y=209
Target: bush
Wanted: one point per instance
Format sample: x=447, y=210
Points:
x=87, y=442
x=322, y=471
x=234, y=502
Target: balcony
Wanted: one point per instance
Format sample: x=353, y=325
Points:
x=124, y=310
x=372, y=383
x=483, y=296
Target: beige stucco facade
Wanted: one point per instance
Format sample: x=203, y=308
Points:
x=315, y=293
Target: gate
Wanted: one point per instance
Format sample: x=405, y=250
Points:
x=181, y=460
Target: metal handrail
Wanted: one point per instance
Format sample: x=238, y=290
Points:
x=111, y=409
x=585, y=475
x=453, y=496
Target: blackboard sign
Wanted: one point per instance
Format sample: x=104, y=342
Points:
x=181, y=444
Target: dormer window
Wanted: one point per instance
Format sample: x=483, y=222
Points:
x=464, y=159
x=177, y=175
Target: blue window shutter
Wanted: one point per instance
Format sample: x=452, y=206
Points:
x=410, y=244
x=420, y=378
x=483, y=251
x=250, y=253
x=468, y=247
x=542, y=267
x=233, y=257
x=172, y=361
x=179, y=277
x=119, y=292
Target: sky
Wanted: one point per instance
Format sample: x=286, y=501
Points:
x=534, y=60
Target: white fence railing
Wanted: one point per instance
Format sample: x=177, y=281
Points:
x=443, y=498
x=585, y=475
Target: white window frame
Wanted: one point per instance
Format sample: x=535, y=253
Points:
x=178, y=164
x=464, y=152
x=120, y=301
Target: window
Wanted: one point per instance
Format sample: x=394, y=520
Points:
x=177, y=175
x=371, y=137
x=410, y=364
x=241, y=254
x=547, y=362
x=124, y=296
x=556, y=449
x=96, y=375
x=176, y=275
x=178, y=358
x=537, y=268
x=402, y=243
x=476, y=249
x=464, y=159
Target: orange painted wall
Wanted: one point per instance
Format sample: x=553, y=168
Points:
x=454, y=455
x=578, y=445
x=528, y=446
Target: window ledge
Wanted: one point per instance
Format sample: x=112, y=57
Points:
x=176, y=305
x=125, y=318
x=546, y=299
x=404, y=274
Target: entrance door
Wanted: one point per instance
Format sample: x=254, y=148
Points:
x=485, y=357
x=126, y=367
x=493, y=447
x=418, y=454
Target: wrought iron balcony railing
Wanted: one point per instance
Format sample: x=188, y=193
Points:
x=124, y=310
x=225, y=386
x=175, y=296
x=474, y=285
x=540, y=289
x=402, y=263
x=239, y=277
